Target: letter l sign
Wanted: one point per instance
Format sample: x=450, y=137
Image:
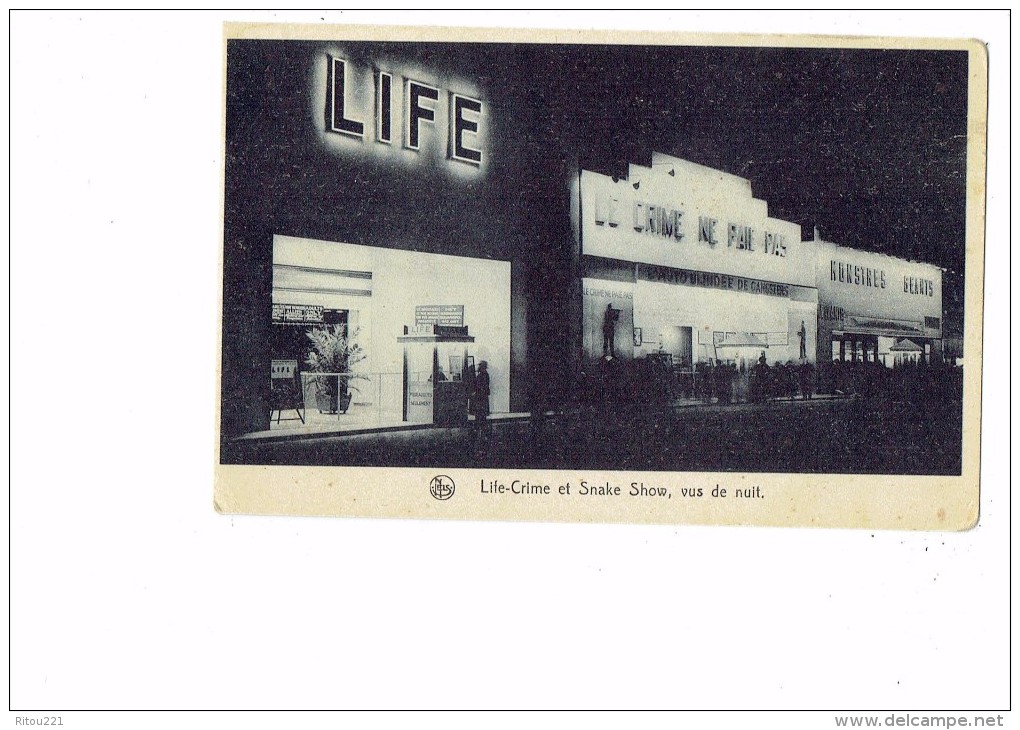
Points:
x=336, y=101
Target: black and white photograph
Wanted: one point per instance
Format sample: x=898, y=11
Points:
x=530, y=360
x=661, y=257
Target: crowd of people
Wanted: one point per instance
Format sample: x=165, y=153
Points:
x=651, y=382
x=729, y=382
x=909, y=380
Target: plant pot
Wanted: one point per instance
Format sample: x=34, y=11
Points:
x=326, y=402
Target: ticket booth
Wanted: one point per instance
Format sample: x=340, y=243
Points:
x=438, y=371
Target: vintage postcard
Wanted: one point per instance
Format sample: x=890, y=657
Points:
x=599, y=277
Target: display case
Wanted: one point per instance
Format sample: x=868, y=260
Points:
x=438, y=370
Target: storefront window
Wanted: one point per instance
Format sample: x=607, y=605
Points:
x=439, y=312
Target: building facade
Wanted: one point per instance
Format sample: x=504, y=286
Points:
x=381, y=187
x=394, y=188
x=683, y=261
x=876, y=308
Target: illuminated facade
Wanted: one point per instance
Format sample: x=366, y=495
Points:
x=682, y=261
x=876, y=308
x=366, y=187
x=695, y=266
x=370, y=185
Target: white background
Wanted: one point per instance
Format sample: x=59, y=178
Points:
x=129, y=591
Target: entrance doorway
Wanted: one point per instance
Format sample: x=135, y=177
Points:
x=678, y=343
x=855, y=347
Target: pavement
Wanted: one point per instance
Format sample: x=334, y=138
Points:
x=365, y=419
x=825, y=434
x=347, y=424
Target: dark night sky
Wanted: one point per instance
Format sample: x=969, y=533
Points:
x=870, y=146
x=867, y=145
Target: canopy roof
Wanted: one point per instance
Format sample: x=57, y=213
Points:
x=906, y=345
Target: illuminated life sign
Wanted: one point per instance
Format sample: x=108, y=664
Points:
x=420, y=110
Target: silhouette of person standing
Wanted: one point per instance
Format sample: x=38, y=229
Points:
x=760, y=383
x=802, y=334
x=479, y=406
x=480, y=396
x=609, y=331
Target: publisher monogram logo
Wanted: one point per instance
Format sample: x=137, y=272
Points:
x=441, y=487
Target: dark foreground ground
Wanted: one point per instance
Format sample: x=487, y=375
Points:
x=853, y=436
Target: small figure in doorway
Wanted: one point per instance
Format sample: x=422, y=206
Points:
x=480, y=393
x=609, y=321
x=802, y=334
x=479, y=406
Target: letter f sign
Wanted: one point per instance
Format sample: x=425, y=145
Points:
x=415, y=96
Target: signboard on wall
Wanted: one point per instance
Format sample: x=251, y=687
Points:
x=447, y=315
x=297, y=313
x=284, y=369
x=685, y=277
x=608, y=318
x=683, y=216
x=374, y=105
x=878, y=293
x=419, y=402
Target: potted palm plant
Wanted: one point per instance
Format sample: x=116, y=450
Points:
x=333, y=353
